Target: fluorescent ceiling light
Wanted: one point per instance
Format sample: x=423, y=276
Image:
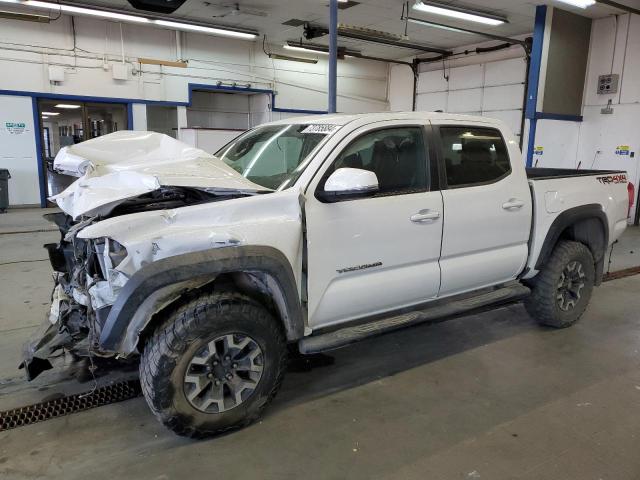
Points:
x=579, y=3
x=85, y=11
x=50, y=113
x=460, y=14
x=303, y=49
x=65, y=105
x=72, y=9
x=437, y=25
x=199, y=28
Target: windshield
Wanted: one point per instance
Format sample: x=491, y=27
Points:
x=273, y=156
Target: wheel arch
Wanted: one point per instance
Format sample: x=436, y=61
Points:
x=263, y=273
x=586, y=224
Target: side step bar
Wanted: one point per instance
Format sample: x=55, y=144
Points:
x=348, y=335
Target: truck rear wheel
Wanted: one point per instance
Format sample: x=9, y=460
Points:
x=561, y=291
x=213, y=365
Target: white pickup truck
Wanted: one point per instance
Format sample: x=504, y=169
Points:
x=312, y=232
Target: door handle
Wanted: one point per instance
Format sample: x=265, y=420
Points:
x=424, y=216
x=513, y=204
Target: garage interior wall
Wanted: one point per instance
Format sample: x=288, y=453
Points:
x=28, y=50
x=491, y=85
x=596, y=141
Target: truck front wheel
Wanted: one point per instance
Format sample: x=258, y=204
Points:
x=213, y=365
x=561, y=291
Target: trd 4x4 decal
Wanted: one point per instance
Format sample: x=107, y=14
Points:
x=619, y=178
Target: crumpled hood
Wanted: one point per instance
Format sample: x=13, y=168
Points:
x=126, y=164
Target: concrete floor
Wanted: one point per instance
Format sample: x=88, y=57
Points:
x=489, y=396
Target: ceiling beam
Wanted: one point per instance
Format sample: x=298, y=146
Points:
x=620, y=6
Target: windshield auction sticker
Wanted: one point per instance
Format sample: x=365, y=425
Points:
x=321, y=128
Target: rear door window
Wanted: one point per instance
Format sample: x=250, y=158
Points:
x=473, y=156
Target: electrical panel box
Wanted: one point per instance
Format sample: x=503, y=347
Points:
x=120, y=71
x=56, y=73
x=608, y=83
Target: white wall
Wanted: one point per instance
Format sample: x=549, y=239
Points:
x=489, y=84
x=28, y=48
x=592, y=143
x=18, y=149
x=492, y=89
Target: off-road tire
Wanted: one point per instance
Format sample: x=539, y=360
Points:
x=168, y=353
x=543, y=303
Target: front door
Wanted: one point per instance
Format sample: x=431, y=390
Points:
x=380, y=253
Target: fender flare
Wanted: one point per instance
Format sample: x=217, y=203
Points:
x=122, y=326
x=569, y=218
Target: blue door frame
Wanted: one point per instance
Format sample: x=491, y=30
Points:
x=35, y=96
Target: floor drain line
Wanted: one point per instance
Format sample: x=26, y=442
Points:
x=627, y=272
x=59, y=407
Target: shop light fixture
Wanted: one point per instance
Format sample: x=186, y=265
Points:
x=200, y=28
x=72, y=9
x=427, y=23
x=579, y=3
x=84, y=11
x=50, y=114
x=67, y=106
x=458, y=13
x=305, y=49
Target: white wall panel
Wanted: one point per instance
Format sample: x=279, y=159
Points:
x=630, y=88
x=559, y=142
x=432, y=82
x=494, y=89
x=461, y=101
x=18, y=149
x=470, y=76
x=505, y=97
x=430, y=102
x=505, y=72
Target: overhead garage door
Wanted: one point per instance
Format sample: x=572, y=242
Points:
x=492, y=89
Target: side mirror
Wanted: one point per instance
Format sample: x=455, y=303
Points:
x=347, y=183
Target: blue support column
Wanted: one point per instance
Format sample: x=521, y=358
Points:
x=534, y=78
x=333, y=54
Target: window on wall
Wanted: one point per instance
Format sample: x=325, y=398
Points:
x=396, y=155
x=473, y=156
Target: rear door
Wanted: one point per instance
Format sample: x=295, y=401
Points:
x=375, y=254
x=487, y=206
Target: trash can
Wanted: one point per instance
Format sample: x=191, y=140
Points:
x=4, y=189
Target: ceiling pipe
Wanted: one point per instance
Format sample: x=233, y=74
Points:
x=314, y=31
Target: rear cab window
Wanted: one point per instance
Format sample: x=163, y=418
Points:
x=473, y=155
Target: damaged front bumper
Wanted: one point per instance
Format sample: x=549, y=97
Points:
x=80, y=300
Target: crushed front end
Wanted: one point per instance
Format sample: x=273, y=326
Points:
x=85, y=286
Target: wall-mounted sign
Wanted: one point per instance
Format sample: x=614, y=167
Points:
x=622, y=150
x=538, y=150
x=15, y=128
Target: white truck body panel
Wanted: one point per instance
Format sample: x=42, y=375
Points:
x=553, y=196
x=482, y=232
x=370, y=231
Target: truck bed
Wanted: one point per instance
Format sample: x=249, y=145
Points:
x=552, y=173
